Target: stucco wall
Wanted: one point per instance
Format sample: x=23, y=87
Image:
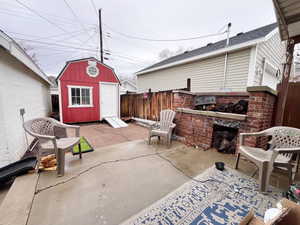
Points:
x=19, y=88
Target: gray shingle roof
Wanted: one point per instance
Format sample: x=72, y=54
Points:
x=239, y=39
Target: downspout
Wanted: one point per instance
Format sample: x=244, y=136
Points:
x=226, y=55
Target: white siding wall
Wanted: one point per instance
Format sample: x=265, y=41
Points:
x=273, y=51
x=206, y=75
x=237, y=70
x=19, y=88
x=167, y=79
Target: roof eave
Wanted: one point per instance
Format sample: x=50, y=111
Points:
x=207, y=55
x=16, y=51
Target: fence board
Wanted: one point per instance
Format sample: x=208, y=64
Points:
x=292, y=110
x=146, y=106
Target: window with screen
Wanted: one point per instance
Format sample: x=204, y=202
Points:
x=80, y=96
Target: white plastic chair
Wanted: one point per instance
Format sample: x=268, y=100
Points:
x=43, y=130
x=164, y=128
x=284, y=143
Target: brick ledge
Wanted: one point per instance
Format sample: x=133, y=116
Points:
x=232, y=116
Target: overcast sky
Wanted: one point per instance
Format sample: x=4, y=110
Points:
x=56, y=35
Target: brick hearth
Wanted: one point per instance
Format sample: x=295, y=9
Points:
x=196, y=127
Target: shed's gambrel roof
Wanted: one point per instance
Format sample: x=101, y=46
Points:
x=210, y=48
x=86, y=59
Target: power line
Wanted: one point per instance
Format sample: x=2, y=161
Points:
x=54, y=16
x=55, y=44
x=22, y=14
x=94, y=6
x=74, y=14
x=125, y=56
x=41, y=16
x=163, y=40
x=39, y=37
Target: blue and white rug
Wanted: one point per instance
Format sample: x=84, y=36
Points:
x=225, y=198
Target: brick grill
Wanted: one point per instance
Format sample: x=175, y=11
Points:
x=197, y=130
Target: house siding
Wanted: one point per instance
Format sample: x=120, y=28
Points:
x=273, y=51
x=166, y=79
x=237, y=70
x=19, y=88
x=206, y=75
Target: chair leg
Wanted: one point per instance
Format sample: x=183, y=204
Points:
x=169, y=141
x=290, y=174
x=158, y=137
x=237, y=161
x=61, y=162
x=149, y=140
x=79, y=148
x=264, y=177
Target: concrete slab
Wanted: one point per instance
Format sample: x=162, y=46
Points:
x=16, y=206
x=113, y=183
x=107, y=194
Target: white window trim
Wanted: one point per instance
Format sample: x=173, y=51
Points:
x=70, y=96
x=272, y=65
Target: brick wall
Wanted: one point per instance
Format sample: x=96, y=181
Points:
x=183, y=99
x=260, y=114
x=197, y=130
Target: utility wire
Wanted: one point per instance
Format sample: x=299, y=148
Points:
x=19, y=14
x=58, y=45
x=75, y=16
x=41, y=16
x=94, y=7
x=164, y=40
x=46, y=37
x=53, y=16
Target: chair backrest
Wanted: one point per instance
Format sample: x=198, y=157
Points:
x=41, y=126
x=285, y=137
x=166, y=119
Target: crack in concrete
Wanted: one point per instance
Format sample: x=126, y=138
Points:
x=98, y=165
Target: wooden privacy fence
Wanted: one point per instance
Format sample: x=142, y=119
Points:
x=292, y=108
x=146, y=105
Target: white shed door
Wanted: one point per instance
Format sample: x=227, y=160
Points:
x=109, y=100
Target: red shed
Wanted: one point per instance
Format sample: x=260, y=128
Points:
x=88, y=91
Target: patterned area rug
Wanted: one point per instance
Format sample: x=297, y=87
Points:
x=225, y=198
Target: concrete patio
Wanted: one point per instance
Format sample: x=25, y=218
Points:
x=115, y=182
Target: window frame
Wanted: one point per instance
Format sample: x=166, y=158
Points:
x=70, y=105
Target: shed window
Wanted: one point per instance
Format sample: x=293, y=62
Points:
x=80, y=96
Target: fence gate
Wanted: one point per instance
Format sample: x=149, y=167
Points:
x=292, y=109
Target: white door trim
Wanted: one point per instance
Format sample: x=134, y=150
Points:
x=118, y=97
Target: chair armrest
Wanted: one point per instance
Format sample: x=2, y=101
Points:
x=173, y=125
x=287, y=150
x=63, y=125
x=255, y=134
x=154, y=126
x=40, y=136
